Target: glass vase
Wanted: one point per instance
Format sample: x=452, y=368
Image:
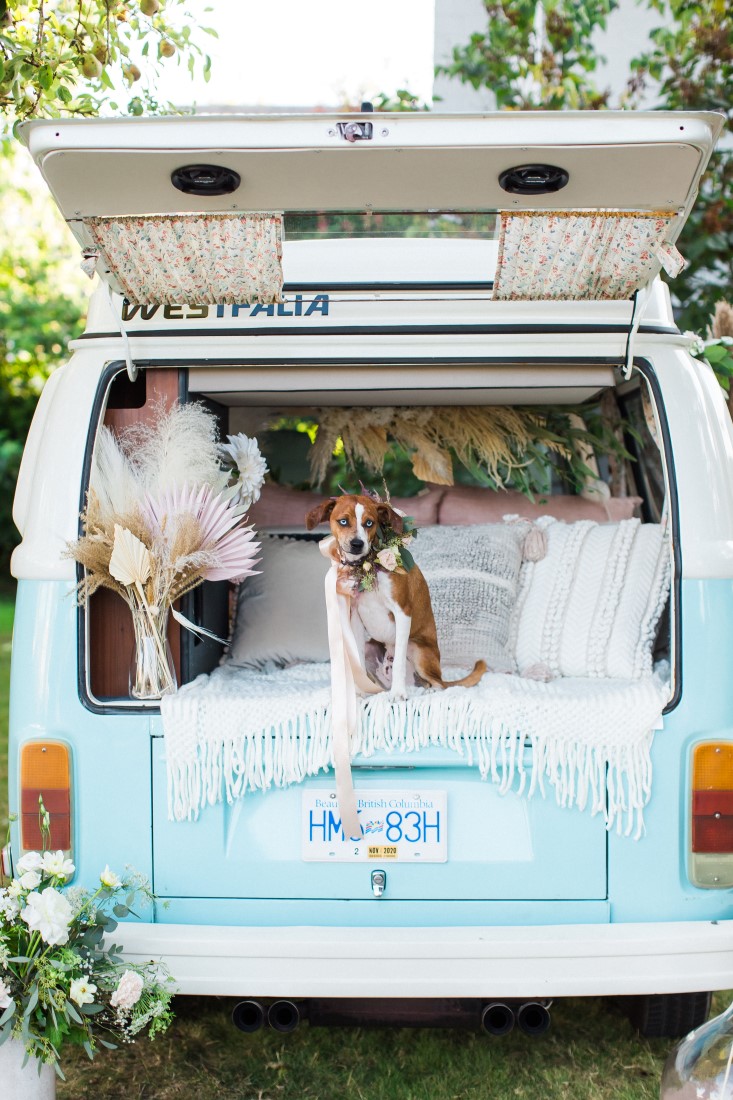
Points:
x=152, y=672
x=701, y=1066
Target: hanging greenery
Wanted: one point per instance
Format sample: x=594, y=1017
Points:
x=500, y=446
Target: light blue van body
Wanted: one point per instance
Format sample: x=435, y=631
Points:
x=536, y=900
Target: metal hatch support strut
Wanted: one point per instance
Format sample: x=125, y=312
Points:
x=132, y=368
x=640, y=300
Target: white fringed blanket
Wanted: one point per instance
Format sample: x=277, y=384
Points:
x=590, y=739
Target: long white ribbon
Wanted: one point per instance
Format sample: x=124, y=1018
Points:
x=347, y=673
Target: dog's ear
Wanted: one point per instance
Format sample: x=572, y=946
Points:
x=319, y=514
x=389, y=518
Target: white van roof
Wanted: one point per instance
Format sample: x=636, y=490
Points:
x=614, y=160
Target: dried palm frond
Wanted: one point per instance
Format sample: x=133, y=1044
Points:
x=129, y=562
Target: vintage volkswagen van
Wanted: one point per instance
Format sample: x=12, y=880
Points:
x=414, y=273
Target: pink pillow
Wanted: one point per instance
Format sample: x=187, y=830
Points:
x=279, y=506
x=464, y=504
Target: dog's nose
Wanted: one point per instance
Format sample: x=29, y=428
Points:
x=356, y=545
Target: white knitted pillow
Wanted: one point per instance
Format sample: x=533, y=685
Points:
x=473, y=577
x=592, y=605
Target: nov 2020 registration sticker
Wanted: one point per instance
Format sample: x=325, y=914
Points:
x=406, y=826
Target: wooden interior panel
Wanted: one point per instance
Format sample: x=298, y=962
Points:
x=111, y=640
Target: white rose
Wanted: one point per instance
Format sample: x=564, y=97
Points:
x=48, y=913
x=31, y=861
x=109, y=878
x=55, y=864
x=82, y=991
x=5, y=999
x=15, y=889
x=30, y=880
x=128, y=991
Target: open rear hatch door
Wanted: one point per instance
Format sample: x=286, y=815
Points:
x=175, y=208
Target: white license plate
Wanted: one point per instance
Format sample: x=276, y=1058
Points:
x=403, y=826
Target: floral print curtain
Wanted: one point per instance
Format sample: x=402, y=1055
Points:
x=202, y=259
x=592, y=255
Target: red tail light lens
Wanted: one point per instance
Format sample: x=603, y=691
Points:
x=45, y=774
x=711, y=840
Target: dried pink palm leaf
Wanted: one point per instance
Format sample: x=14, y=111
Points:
x=224, y=537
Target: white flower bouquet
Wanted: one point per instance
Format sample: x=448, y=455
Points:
x=165, y=512
x=60, y=980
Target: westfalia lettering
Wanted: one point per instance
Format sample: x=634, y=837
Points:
x=295, y=307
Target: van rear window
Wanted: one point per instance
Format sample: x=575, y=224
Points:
x=321, y=225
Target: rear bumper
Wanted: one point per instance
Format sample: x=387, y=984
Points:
x=548, y=961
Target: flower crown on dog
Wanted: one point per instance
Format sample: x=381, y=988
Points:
x=388, y=551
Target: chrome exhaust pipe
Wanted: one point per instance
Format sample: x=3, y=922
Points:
x=283, y=1016
x=248, y=1016
x=497, y=1018
x=533, y=1018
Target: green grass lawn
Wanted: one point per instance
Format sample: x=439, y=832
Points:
x=590, y=1053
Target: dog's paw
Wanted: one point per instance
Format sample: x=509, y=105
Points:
x=398, y=694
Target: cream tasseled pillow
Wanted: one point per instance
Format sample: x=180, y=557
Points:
x=591, y=607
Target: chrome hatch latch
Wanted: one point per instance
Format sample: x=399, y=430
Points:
x=379, y=883
x=355, y=131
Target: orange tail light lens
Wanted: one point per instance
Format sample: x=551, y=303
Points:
x=45, y=774
x=712, y=814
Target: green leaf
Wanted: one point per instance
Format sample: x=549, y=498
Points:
x=120, y=911
x=73, y=1014
x=407, y=559
x=64, y=94
x=32, y=1001
x=45, y=77
x=7, y=1014
x=715, y=353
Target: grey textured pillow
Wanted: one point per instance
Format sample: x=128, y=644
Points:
x=472, y=573
x=281, y=612
x=473, y=576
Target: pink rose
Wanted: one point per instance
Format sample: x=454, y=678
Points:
x=128, y=991
x=387, y=559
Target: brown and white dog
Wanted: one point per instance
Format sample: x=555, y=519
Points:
x=397, y=612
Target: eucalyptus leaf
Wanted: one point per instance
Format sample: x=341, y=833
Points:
x=32, y=1001
x=73, y=1014
x=7, y=1014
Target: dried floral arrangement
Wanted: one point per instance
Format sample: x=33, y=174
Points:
x=499, y=445
x=166, y=510
x=60, y=980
